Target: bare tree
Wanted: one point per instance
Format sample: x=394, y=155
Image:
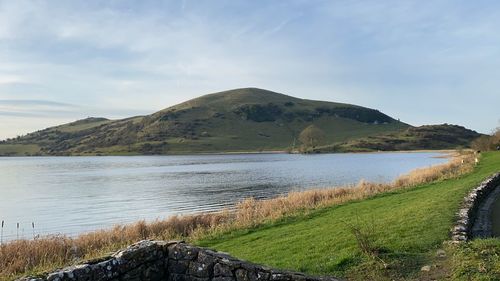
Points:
x=496, y=139
x=311, y=136
x=488, y=142
x=482, y=143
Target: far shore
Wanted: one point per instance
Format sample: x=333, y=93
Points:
x=444, y=151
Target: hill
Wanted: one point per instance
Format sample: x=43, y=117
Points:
x=443, y=136
x=248, y=119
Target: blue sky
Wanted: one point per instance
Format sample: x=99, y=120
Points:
x=425, y=62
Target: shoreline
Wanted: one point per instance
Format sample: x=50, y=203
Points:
x=447, y=154
x=444, y=151
x=444, y=159
x=249, y=213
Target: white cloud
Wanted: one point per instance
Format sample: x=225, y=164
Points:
x=11, y=79
x=122, y=55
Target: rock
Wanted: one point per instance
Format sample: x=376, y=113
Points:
x=426, y=268
x=178, y=267
x=182, y=252
x=223, y=279
x=223, y=270
x=241, y=275
x=200, y=270
x=441, y=253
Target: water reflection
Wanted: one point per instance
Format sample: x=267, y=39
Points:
x=75, y=194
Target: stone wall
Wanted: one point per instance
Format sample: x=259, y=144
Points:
x=467, y=215
x=171, y=261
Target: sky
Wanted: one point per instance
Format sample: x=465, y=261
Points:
x=424, y=62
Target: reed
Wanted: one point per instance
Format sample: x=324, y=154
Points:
x=21, y=256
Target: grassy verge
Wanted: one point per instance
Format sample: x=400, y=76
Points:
x=286, y=224
x=476, y=260
x=406, y=227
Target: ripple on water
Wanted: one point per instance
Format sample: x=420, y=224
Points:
x=76, y=194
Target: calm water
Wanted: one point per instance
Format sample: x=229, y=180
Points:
x=71, y=195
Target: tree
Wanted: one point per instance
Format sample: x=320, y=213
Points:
x=311, y=136
x=496, y=139
x=482, y=143
x=487, y=142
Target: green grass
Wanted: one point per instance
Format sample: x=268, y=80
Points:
x=409, y=226
x=18, y=149
x=82, y=125
x=477, y=260
x=415, y=138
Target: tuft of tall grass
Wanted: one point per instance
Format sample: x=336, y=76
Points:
x=23, y=256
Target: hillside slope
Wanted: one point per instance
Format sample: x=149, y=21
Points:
x=248, y=119
x=443, y=136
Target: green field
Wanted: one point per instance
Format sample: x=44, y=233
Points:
x=19, y=149
x=407, y=227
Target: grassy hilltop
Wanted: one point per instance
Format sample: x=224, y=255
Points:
x=248, y=119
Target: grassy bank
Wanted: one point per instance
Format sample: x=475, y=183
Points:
x=405, y=228
x=231, y=230
x=476, y=260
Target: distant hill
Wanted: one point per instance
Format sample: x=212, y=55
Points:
x=443, y=136
x=248, y=119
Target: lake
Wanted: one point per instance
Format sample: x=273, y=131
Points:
x=71, y=195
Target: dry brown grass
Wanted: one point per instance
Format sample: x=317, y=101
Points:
x=26, y=256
